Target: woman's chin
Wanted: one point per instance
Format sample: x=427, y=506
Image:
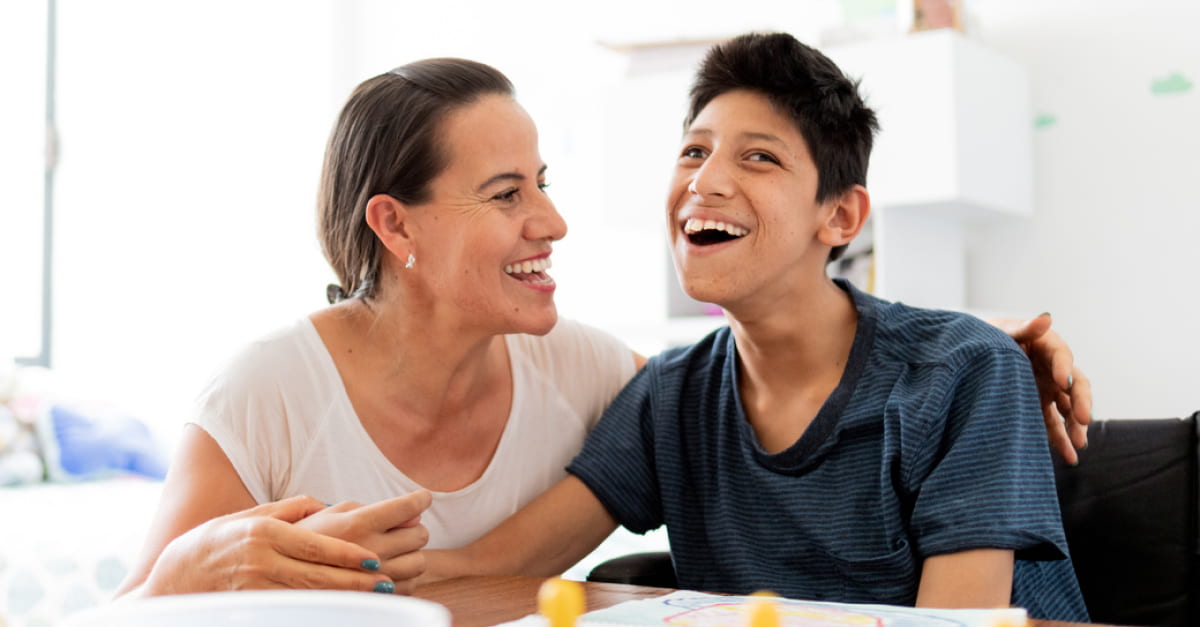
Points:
x=540, y=324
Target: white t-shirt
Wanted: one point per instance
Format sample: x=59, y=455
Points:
x=282, y=416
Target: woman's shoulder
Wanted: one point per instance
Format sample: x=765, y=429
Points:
x=273, y=356
x=580, y=364
x=570, y=344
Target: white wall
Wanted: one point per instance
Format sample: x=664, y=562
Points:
x=1111, y=247
x=192, y=134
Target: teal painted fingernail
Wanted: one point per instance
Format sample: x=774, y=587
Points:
x=370, y=564
x=1070, y=381
x=385, y=587
x=1045, y=313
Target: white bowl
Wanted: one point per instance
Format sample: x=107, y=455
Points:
x=293, y=608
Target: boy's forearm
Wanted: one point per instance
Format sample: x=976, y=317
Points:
x=544, y=538
x=980, y=578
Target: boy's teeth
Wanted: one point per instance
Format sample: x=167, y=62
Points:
x=695, y=225
x=528, y=267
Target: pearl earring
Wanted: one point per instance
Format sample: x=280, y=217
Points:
x=411, y=260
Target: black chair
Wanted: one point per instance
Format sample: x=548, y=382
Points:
x=1131, y=516
x=653, y=568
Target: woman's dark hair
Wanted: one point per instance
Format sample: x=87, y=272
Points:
x=385, y=141
x=804, y=85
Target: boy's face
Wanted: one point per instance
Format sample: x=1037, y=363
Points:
x=742, y=210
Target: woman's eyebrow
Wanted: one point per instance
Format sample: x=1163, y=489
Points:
x=507, y=176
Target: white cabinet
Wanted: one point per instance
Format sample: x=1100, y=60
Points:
x=955, y=147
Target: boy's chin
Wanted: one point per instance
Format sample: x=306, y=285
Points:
x=706, y=291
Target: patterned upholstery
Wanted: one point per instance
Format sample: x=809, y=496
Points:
x=65, y=547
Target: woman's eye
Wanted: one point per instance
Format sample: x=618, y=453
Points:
x=543, y=186
x=506, y=195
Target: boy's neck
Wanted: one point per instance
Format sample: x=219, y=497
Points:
x=791, y=359
x=798, y=335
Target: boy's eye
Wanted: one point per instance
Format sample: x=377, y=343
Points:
x=693, y=152
x=765, y=157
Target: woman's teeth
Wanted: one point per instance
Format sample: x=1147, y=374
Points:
x=529, y=267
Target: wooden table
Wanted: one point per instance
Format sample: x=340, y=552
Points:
x=488, y=600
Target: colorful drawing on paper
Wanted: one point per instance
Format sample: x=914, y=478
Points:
x=694, y=609
x=703, y=612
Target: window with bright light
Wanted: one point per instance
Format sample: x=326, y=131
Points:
x=24, y=163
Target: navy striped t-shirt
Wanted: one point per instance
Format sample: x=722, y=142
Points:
x=932, y=443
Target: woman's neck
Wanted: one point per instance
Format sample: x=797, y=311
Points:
x=419, y=363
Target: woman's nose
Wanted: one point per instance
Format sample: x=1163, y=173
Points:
x=547, y=223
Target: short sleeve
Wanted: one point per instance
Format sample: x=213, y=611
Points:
x=617, y=460
x=982, y=476
x=242, y=410
x=589, y=366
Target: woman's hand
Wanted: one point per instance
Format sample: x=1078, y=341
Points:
x=391, y=528
x=1065, y=392
x=262, y=548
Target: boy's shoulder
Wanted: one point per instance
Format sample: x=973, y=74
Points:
x=917, y=335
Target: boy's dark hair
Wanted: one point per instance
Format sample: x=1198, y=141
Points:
x=804, y=85
x=386, y=141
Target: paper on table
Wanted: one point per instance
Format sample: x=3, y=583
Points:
x=698, y=609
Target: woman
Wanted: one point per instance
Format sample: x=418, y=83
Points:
x=441, y=373
x=444, y=370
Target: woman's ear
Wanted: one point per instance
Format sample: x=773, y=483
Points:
x=848, y=214
x=388, y=217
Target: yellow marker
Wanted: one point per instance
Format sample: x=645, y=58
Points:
x=560, y=601
x=763, y=612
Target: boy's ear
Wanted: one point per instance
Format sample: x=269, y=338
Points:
x=388, y=218
x=847, y=215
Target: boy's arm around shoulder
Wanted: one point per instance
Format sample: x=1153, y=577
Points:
x=544, y=538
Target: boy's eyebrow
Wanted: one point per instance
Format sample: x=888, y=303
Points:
x=508, y=176
x=767, y=137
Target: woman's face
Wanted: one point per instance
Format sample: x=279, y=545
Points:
x=482, y=242
x=742, y=213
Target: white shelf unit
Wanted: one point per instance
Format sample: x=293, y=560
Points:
x=955, y=147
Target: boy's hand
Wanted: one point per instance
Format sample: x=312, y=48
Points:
x=392, y=529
